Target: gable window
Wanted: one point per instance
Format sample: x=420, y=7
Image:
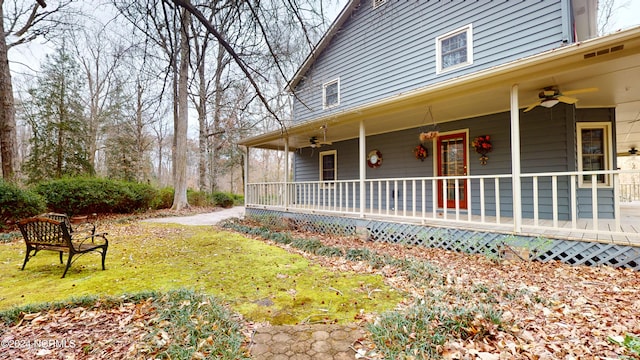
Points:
x=328, y=166
x=594, y=144
x=331, y=93
x=454, y=50
x=377, y=3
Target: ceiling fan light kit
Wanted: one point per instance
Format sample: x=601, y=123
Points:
x=549, y=103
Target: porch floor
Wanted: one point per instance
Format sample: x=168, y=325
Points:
x=628, y=232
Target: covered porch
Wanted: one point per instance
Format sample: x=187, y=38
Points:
x=420, y=201
x=591, y=206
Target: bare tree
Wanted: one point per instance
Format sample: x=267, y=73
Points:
x=100, y=57
x=23, y=21
x=606, y=9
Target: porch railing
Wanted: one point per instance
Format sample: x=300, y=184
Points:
x=570, y=203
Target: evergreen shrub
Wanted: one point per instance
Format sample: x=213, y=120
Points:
x=17, y=203
x=163, y=198
x=94, y=195
x=222, y=199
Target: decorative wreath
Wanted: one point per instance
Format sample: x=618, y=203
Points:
x=482, y=144
x=374, y=159
x=421, y=152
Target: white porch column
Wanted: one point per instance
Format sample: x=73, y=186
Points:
x=286, y=173
x=247, y=198
x=515, y=160
x=363, y=168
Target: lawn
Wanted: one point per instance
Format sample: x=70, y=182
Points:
x=415, y=302
x=260, y=281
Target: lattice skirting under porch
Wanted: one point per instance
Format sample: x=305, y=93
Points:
x=463, y=240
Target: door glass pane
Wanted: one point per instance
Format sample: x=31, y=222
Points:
x=593, y=158
x=452, y=152
x=328, y=167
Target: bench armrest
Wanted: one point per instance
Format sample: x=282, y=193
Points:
x=89, y=239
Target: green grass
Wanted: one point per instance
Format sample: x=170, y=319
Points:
x=262, y=282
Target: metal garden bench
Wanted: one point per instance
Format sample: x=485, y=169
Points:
x=46, y=232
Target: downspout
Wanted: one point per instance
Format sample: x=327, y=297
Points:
x=515, y=161
x=286, y=172
x=363, y=168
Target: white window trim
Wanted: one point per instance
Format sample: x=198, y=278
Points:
x=469, y=30
x=377, y=3
x=324, y=93
x=608, y=145
x=335, y=166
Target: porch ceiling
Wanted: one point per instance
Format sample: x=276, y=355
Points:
x=616, y=75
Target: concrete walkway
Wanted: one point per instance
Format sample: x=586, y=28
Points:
x=202, y=219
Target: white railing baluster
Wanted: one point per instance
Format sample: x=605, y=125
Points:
x=497, y=196
x=445, y=200
x=424, y=198
x=536, y=205
x=387, y=197
x=404, y=198
x=456, y=197
x=482, y=205
x=469, y=199
x=371, y=196
x=554, y=197
x=379, y=197
x=574, y=203
x=413, y=198
x=594, y=200
x=434, y=198
x=616, y=202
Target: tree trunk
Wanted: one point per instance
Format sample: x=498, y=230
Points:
x=221, y=63
x=8, y=136
x=202, y=121
x=180, y=131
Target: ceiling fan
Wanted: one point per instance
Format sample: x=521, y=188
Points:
x=550, y=96
x=317, y=143
x=632, y=151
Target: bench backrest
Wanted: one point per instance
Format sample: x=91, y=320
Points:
x=58, y=217
x=45, y=231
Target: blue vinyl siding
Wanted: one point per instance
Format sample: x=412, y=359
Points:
x=389, y=50
x=548, y=144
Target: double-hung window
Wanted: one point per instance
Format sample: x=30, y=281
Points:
x=331, y=93
x=594, y=148
x=454, y=49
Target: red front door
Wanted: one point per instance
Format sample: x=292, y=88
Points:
x=452, y=161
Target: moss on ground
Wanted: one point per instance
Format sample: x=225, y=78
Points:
x=262, y=282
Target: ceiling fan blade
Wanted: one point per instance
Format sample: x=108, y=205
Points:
x=549, y=93
x=567, y=99
x=625, y=153
x=533, y=105
x=580, y=91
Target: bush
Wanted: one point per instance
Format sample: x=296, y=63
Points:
x=17, y=203
x=93, y=195
x=163, y=199
x=238, y=199
x=197, y=198
x=222, y=199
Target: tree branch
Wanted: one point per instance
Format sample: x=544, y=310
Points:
x=195, y=12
